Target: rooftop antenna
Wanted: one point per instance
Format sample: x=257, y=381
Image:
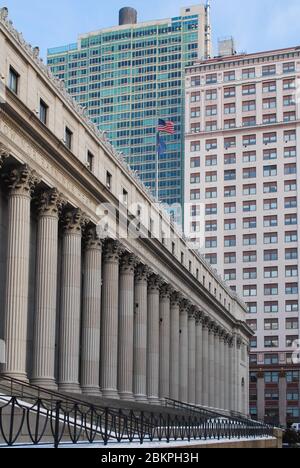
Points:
x=208, y=45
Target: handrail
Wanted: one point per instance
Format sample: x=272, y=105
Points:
x=47, y=417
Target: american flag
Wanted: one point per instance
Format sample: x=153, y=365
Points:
x=166, y=126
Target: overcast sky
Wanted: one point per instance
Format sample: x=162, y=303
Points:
x=255, y=24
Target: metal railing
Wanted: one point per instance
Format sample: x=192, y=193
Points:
x=31, y=415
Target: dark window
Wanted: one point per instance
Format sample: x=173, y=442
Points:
x=13, y=80
x=108, y=180
x=90, y=161
x=43, y=112
x=68, y=138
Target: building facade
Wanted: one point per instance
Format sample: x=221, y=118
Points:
x=83, y=307
x=242, y=143
x=131, y=75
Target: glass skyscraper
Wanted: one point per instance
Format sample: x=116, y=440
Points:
x=131, y=75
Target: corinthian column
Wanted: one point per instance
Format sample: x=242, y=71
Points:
x=126, y=319
x=70, y=302
x=140, y=334
x=110, y=319
x=49, y=206
x=20, y=182
x=164, y=346
x=205, y=362
x=199, y=359
x=217, y=388
x=153, y=340
x=211, y=339
x=91, y=314
x=183, y=353
x=174, y=347
x=192, y=357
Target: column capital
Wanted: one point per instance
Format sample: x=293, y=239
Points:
x=193, y=312
x=21, y=180
x=166, y=291
x=4, y=154
x=155, y=282
x=185, y=306
x=212, y=327
x=113, y=250
x=128, y=262
x=91, y=239
x=50, y=203
x=176, y=298
x=74, y=221
x=142, y=273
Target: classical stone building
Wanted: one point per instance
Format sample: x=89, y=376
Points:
x=90, y=310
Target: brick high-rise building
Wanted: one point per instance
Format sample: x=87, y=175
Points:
x=242, y=143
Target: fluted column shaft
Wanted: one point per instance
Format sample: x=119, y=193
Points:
x=199, y=362
x=228, y=383
x=109, y=320
x=91, y=315
x=211, y=367
x=46, y=290
x=153, y=341
x=217, y=369
x=222, y=373
x=164, y=345
x=20, y=182
x=183, y=356
x=174, y=349
x=70, y=303
x=205, y=364
x=192, y=358
x=140, y=334
x=126, y=324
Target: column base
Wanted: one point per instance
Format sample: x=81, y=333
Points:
x=154, y=401
x=91, y=391
x=15, y=375
x=69, y=388
x=47, y=384
x=126, y=396
x=141, y=398
x=110, y=394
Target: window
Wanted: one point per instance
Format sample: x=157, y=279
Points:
x=249, y=173
x=291, y=271
x=252, y=308
x=195, y=163
x=229, y=142
x=230, y=159
x=210, y=111
x=250, y=257
x=211, y=126
x=271, y=308
x=249, y=121
x=249, y=106
x=230, y=275
x=230, y=258
x=270, y=171
x=43, y=112
x=269, y=138
x=292, y=324
x=271, y=377
x=291, y=236
x=229, y=241
x=229, y=76
x=270, y=221
x=248, y=73
x=269, y=70
x=271, y=272
x=269, y=87
x=270, y=255
x=211, y=193
x=291, y=288
x=212, y=259
x=211, y=210
x=195, y=194
x=290, y=202
x=291, y=220
x=290, y=186
x=108, y=180
x=90, y=161
x=229, y=192
x=229, y=224
x=195, y=112
x=289, y=67
x=195, y=97
x=229, y=109
x=270, y=204
x=249, y=206
x=270, y=187
x=249, y=140
x=195, y=178
x=230, y=175
x=253, y=377
x=249, y=189
x=271, y=290
x=289, y=135
x=68, y=138
x=253, y=325
x=250, y=273
x=250, y=291
x=229, y=208
x=211, y=95
x=292, y=377
x=269, y=119
x=14, y=78
x=249, y=156
x=253, y=343
x=291, y=306
x=271, y=324
x=270, y=154
x=210, y=177
x=211, y=226
x=249, y=239
x=195, y=146
x=249, y=223
x=229, y=92
x=212, y=78
x=229, y=123
x=271, y=238
x=269, y=103
x=290, y=340
x=211, y=144
x=211, y=161
x=290, y=152
x=291, y=254
x=289, y=84
x=271, y=359
x=289, y=116
x=125, y=197
x=248, y=90
x=290, y=169
x=211, y=242
x=271, y=395
x=292, y=396
x=271, y=341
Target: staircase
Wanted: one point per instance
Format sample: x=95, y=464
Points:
x=30, y=415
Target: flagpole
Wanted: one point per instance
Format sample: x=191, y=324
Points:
x=157, y=162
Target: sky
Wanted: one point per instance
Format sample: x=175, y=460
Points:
x=256, y=25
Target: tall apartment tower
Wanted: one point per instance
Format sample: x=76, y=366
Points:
x=241, y=148
x=131, y=75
